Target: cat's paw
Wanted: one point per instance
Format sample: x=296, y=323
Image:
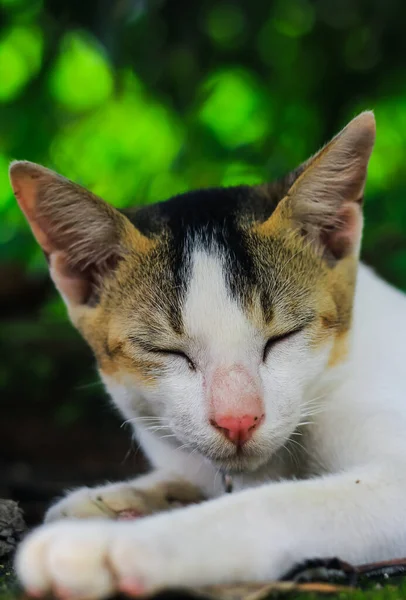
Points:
x=124, y=500
x=98, y=558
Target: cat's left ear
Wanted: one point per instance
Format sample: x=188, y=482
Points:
x=83, y=237
x=325, y=201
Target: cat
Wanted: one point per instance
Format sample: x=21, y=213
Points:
x=237, y=332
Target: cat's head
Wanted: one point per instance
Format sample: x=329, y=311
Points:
x=220, y=311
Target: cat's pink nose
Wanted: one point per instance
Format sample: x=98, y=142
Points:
x=237, y=429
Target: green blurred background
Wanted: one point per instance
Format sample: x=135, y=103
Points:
x=141, y=100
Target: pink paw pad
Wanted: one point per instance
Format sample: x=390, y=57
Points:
x=131, y=587
x=33, y=593
x=128, y=515
x=62, y=592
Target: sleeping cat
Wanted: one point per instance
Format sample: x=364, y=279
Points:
x=237, y=333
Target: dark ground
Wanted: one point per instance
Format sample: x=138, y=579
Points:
x=38, y=461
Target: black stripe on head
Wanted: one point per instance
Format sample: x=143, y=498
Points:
x=215, y=217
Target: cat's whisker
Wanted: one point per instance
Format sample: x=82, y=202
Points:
x=316, y=411
x=151, y=420
x=86, y=386
x=315, y=402
x=183, y=446
x=291, y=454
x=215, y=477
x=298, y=444
x=154, y=428
x=312, y=407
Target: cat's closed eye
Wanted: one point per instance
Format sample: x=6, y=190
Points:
x=276, y=339
x=147, y=347
x=179, y=353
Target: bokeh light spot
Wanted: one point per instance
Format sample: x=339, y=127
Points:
x=118, y=149
x=387, y=160
x=240, y=173
x=293, y=18
x=20, y=58
x=12, y=3
x=5, y=189
x=276, y=49
x=235, y=108
x=82, y=77
x=225, y=24
x=361, y=49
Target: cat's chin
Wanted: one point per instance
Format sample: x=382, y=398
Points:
x=239, y=465
x=240, y=462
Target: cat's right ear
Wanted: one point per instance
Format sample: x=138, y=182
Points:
x=324, y=202
x=83, y=237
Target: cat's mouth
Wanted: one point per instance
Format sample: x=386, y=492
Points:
x=227, y=456
x=236, y=459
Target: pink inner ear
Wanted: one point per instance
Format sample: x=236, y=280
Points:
x=73, y=285
x=343, y=238
x=25, y=188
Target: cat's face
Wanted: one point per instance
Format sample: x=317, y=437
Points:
x=221, y=312
x=222, y=328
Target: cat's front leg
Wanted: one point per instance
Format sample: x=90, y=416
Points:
x=156, y=492
x=258, y=534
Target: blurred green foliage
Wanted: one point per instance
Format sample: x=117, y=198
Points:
x=140, y=100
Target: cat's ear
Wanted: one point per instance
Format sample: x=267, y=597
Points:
x=82, y=236
x=325, y=201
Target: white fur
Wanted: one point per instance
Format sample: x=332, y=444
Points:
x=349, y=503
x=222, y=336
